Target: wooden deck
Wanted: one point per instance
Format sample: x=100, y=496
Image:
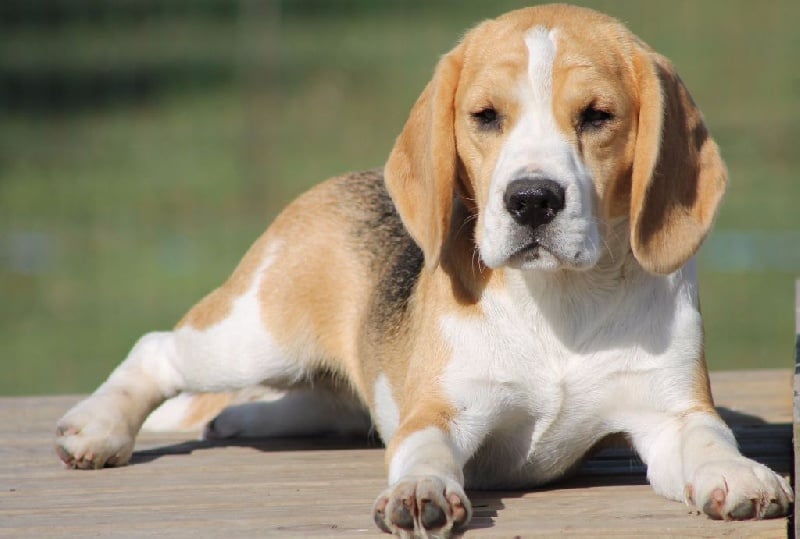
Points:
x=324, y=488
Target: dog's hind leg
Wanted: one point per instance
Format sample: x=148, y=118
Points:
x=288, y=315
x=222, y=344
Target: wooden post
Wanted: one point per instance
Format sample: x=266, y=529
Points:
x=796, y=467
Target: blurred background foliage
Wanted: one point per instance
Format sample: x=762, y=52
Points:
x=144, y=144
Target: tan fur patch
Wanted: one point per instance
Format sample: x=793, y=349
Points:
x=678, y=175
x=314, y=306
x=204, y=408
x=422, y=167
x=702, y=387
x=427, y=412
x=217, y=305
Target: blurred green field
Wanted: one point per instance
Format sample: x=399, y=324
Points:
x=116, y=216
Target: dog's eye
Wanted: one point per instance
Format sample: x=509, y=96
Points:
x=593, y=118
x=487, y=118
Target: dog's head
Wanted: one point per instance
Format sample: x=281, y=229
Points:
x=549, y=123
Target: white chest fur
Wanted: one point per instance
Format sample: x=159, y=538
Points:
x=558, y=362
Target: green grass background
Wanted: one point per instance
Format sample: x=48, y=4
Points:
x=115, y=217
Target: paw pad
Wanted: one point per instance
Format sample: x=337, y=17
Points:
x=421, y=506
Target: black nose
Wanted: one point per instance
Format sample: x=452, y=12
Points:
x=534, y=202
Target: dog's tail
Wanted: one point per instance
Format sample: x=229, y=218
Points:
x=191, y=412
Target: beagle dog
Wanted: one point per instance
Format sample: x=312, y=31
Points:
x=515, y=285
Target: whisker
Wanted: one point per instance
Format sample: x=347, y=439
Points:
x=475, y=263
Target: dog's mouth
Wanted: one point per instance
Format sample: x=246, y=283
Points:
x=527, y=254
x=540, y=255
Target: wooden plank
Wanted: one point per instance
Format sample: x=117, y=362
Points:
x=178, y=487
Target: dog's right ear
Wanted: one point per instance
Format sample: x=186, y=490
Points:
x=421, y=171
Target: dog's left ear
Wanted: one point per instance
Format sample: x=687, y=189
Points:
x=421, y=171
x=678, y=176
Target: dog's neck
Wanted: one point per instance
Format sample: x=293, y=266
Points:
x=574, y=300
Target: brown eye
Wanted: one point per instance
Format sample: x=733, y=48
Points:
x=487, y=119
x=594, y=119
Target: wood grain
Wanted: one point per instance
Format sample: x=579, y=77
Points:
x=177, y=487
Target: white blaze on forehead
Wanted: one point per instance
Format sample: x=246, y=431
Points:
x=541, y=56
x=535, y=141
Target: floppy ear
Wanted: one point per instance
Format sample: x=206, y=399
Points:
x=421, y=171
x=678, y=176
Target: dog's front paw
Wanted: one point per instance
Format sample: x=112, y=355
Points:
x=94, y=434
x=422, y=507
x=739, y=489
